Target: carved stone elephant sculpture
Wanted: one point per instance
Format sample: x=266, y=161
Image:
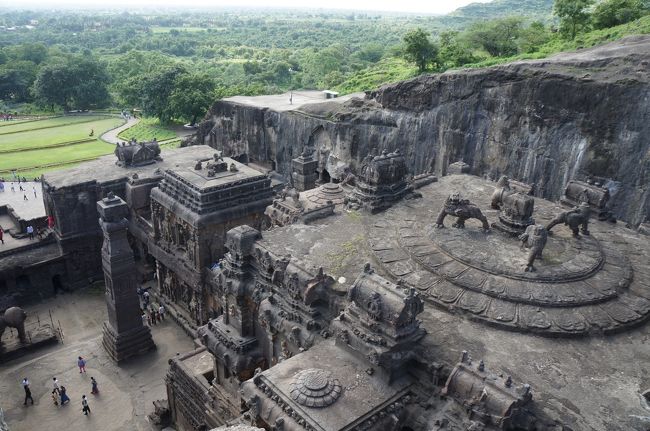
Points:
x=14, y=317
x=577, y=219
x=463, y=209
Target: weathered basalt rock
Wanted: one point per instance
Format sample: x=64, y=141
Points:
x=544, y=122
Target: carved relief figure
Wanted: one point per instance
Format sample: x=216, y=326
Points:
x=534, y=238
x=463, y=209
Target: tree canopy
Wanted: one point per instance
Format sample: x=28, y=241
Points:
x=419, y=49
x=573, y=14
x=192, y=96
x=609, y=13
x=73, y=82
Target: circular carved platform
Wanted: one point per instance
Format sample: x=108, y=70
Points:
x=581, y=286
x=313, y=387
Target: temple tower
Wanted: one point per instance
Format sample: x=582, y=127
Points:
x=124, y=333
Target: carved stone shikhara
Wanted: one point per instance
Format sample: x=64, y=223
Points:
x=314, y=387
x=137, y=154
x=463, y=209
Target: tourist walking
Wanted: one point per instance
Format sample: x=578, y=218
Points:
x=64, y=397
x=161, y=312
x=95, y=389
x=152, y=313
x=81, y=363
x=28, y=392
x=84, y=405
x=34, y=190
x=13, y=189
x=55, y=385
x=25, y=196
x=55, y=398
x=146, y=298
x=30, y=231
x=2, y=234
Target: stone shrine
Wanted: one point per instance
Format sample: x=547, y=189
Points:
x=304, y=171
x=596, y=196
x=515, y=208
x=125, y=335
x=380, y=182
x=192, y=209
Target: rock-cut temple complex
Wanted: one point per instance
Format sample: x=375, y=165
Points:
x=337, y=284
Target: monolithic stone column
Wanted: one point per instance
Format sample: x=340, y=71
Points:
x=124, y=333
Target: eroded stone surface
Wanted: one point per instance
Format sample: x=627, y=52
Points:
x=577, y=289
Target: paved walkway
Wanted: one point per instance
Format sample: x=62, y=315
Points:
x=111, y=135
x=27, y=209
x=126, y=392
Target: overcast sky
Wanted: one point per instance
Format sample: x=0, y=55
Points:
x=418, y=6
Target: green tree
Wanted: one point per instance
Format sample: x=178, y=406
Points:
x=192, y=96
x=498, y=37
x=573, y=14
x=533, y=36
x=419, y=49
x=610, y=13
x=74, y=82
x=454, y=50
x=16, y=79
x=371, y=52
x=156, y=89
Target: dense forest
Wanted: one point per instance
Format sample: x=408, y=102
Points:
x=173, y=65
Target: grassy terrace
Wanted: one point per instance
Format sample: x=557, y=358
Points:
x=146, y=130
x=28, y=125
x=35, y=147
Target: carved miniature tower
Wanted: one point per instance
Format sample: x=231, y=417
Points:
x=124, y=334
x=304, y=171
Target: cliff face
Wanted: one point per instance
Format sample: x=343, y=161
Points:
x=543, y=122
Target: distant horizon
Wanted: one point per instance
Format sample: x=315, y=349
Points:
x=436, y=7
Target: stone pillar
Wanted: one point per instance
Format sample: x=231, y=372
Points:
x=124, y=333
x=304, y=171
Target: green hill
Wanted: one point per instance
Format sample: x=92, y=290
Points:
x=533, y=9
x=390, y=70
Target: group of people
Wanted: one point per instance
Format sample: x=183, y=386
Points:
x=59, y=393
x=22, y=185
x=151, y=314
x=8, y=116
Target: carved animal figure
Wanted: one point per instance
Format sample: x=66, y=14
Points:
x=14, y=317
x=577, y=219
x=463, y=209
x=534, y=238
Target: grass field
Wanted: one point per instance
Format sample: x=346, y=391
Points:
x=53, y=143
x=52, y=122
x=56, y=135
x=146, y=130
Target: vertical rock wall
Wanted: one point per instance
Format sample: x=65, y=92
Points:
x=542, y=122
